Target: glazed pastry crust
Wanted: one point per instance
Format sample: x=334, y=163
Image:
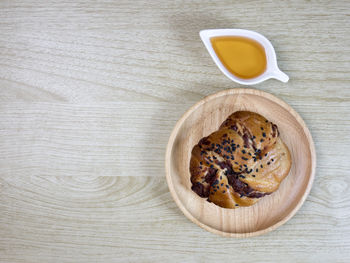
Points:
x=241, y=162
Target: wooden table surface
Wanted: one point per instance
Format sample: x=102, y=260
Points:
x=89, y=93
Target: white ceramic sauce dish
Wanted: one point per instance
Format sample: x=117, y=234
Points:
x=272, y=70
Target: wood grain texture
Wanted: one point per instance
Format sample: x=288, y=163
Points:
x=78, y=78
x=129, y=219
x=79, y=68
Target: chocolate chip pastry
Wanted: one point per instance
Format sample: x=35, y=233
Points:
x=241, y=162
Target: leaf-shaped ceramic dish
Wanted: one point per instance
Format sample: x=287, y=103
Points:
x=271, y=71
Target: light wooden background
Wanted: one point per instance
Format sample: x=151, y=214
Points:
x=89, y=93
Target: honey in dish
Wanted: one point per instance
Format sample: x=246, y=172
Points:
x=242, y=56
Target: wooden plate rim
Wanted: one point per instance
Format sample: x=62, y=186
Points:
x=230, y=92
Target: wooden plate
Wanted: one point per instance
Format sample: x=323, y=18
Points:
x=272, y=211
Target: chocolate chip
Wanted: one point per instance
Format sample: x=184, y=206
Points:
x=210, y=176
x=199, y=189
x=204, y=141
x=234, y=127
x=275, y=131
x=246, y=140
x=258, y=195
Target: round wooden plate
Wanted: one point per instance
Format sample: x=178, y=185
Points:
x=271, y=211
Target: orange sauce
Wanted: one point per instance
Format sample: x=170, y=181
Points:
x=243, y=57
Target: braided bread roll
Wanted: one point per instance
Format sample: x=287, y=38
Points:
x=241, y=162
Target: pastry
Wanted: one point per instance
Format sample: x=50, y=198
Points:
x=241, y=162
